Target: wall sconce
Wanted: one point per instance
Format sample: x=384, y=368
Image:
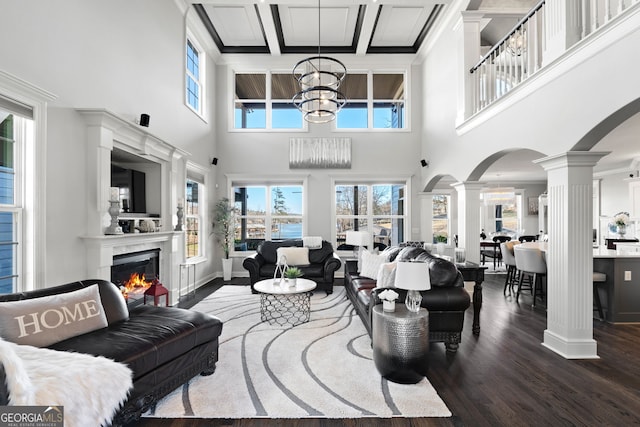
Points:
x=214, y=161
x=144, y=120
x=424, y=163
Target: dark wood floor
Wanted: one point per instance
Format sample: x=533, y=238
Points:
x=505, y=377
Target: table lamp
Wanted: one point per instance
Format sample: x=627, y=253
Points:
x=414, y=277
x=357, y=239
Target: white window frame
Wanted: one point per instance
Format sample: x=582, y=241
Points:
x=32, y=226
x=447, y=194
x=370, y=182
x=201, y=80
x=371, y=101
x=198, y=174
x=269, y=182
x=268, y=101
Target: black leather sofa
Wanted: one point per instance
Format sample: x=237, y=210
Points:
x=323, y=263
x=446, y=301
x=163, y=346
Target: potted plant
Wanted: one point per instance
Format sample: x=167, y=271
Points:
x=292, y=274
x=223, y=229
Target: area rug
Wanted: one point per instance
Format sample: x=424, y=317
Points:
x=323, y=368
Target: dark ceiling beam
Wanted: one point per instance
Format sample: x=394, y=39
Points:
x=206, y=21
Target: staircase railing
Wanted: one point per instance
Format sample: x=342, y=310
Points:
x=519, y=54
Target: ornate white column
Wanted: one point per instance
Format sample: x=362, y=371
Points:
x=467, y=31
x=570, y=254
x=469, y=218
x=562, y=27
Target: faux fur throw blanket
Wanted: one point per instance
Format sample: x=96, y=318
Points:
x=90, y=388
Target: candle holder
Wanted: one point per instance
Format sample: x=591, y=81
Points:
x=180, y=215
x=114, y=210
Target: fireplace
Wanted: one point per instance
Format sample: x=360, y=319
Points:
x=134, y=272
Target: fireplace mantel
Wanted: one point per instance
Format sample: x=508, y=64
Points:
x=102, y=249
x=106, y=131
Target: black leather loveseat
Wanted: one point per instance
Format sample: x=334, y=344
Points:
x=323, y=263
x=446, y=301
x=163, y=346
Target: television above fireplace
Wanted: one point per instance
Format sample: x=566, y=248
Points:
x=132, y=184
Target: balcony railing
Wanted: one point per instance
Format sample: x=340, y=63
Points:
x=520, y=53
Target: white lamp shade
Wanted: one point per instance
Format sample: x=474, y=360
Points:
x=413, y=276
x=357, y=238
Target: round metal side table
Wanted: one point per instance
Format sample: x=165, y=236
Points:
x=401, y=343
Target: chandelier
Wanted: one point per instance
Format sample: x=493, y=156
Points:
x=319, y=78
x=517, y=42
x=499, y=196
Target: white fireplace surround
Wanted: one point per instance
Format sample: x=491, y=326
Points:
x=106, y=131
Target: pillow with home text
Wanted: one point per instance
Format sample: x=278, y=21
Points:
x=50, y=319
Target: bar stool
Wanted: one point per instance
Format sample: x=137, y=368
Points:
x=530, y=261
x=510, y=262
x=598, y=278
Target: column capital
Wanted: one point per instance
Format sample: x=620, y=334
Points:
x=571, y=158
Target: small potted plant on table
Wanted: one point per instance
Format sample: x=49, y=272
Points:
x=292, y=274
x=388, y=298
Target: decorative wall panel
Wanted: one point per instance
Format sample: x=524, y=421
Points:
x=318, y=153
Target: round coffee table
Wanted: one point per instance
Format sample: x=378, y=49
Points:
x=283, y=304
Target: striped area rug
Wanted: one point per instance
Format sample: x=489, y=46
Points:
x=323, y=368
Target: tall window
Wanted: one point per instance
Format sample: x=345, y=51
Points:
x=388, y=101
x=284, y=115
x=263, y=101
x=13, y=131
x=193, y=218
x=440, y=218
x=267, y=212
x=375, y=101
x=193, y=77
x=378, y=209
x=354, y=115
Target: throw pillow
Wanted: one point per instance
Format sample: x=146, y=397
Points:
x=46, y=320
x=371, y=263
x=386, y=275
x=363, y=250
x=294, y=255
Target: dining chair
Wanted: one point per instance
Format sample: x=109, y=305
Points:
x=527, y=238
x=492, y=250
x=530, y=262
x=506, y=248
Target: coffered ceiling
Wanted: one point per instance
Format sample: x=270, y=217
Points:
x=357, y=27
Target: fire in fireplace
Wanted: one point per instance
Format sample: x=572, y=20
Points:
x=134, y=272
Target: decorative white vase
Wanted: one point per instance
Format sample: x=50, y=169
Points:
x=388, y=305
x=292, y=282
x=227, y=268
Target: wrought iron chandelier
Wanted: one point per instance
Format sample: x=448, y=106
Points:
x=319, y=78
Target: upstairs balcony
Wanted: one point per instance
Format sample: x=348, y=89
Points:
x=551, y=31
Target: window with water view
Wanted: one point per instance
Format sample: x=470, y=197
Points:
x=378, y=209
x=272, y=212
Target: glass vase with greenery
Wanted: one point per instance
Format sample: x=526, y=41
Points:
x=292, y=273
x=223, y=224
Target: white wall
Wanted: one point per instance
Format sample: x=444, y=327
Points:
x=614, y=196
x=124, y=56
